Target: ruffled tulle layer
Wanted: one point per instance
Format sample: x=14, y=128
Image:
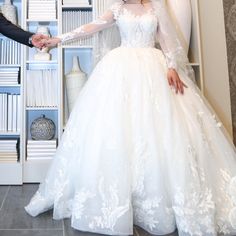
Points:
x=134, y=152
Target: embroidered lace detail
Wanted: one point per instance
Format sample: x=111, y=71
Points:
x=141, y=33
x=145, y=212
x=116, y=8
x=111, y=210
x=195, y=212
x=226, y=214
x=80, y=199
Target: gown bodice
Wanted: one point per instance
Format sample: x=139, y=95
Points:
x=137, y=30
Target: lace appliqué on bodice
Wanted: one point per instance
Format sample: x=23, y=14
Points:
x=135, y=30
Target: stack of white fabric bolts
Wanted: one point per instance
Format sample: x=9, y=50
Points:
x=42, y=10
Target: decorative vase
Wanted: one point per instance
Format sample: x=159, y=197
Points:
x=9, y=11
x=42, y=128
x=181, y=13
x=42, y=54
x=75, y=81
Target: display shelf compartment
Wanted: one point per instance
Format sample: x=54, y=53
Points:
x=18, y=5
x=74, y=18
x=10, y=173
x=35, y=170
x=32, y=51
x=31, y=115
x=85, y=58
x=44, y=11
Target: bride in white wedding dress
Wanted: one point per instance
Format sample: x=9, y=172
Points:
x=135, y=151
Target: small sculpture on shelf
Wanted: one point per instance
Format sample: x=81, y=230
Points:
x=42, y=128
x=9, y=11
x=75, y=81
x=43, y=54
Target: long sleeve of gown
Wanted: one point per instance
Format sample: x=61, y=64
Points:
x=101, y=23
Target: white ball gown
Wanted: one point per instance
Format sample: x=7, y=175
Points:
x=135, y=152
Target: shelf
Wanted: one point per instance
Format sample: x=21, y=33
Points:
x=78, y=46
x=41, y=20
x=42, y=62
x=42, y=159
x=35, y=170
x=9, y=65
x=10, y=172
x=41, y=108
x=10, y=85
x=69, y=6
x=8, y=161
x=9, y=133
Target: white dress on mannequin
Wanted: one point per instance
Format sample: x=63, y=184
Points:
x=134, y=151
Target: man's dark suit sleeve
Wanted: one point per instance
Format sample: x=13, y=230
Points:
x=12, y=31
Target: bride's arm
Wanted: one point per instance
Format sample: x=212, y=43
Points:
x=101, y=23
x=172, y=49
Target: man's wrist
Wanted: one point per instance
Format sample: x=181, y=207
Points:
x=30, y=40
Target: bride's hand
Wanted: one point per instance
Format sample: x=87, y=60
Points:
x=51, y=42
x=175, y=81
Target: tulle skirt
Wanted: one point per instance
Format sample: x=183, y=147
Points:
x=135, y=152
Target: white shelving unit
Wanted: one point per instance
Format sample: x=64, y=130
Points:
x=11, y=172
x=24, y=170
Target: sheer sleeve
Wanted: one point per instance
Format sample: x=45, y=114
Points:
x=109, y=38
x=101, y=23
x=167, y=37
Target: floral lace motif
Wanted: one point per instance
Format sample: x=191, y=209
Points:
x=79, y=201
x=226, y=212
x=111, y=210
x=145, y=211
x=195, y=212
x=116, y=8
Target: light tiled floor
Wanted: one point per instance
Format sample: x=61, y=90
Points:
x=14, y=221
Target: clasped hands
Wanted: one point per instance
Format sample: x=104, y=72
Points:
x=41, y=41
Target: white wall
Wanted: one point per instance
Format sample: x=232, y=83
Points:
x=214, y=52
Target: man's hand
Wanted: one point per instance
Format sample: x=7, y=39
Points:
x=175, y=81
x=38, y=40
